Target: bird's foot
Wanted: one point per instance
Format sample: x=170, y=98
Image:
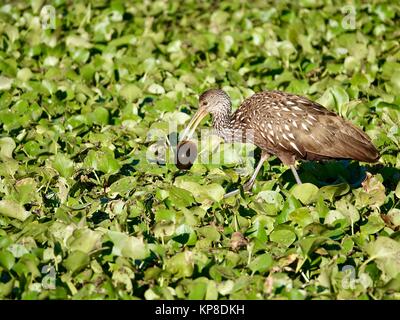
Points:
x=246, y=187
x=231, y=194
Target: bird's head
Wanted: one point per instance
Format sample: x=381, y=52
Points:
x=213, y=101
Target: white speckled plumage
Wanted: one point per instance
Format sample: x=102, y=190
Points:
x=289, y=126
x=286, y=125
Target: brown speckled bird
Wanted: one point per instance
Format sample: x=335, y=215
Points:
x=286, y=125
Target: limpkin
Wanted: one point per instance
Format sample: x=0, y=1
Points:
x=289, y=126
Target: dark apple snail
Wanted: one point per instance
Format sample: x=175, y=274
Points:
x=186, y=153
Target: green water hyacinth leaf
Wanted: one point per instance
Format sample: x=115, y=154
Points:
x=181, y=265
x=6, y=288
x=372, y=193
x=210, y=233
x=26, y=191
x=24, y=74
x=63, y=165
x=180, y=197
x=13, y=209
x=76, y=261
x=261, y=263
x=334, y=215
x=394, y=216
x=103, y=161
x=84, y=240
x=274, y=200
x=348, y=210
x=284, y=237
x=333, y=191
x=306, y=192
x=386, y=253
x=184, y=234
x=7, y=259
x=198, y=289
x=397, y=191
x=341, y=98
x=165, y=215
x=99, y=116
x=156, y=89
x=5, y=83
x=18, y=250
x=289, y=206
x=213, y=191
x=7, y=146
x=374, y=224
x=122, y=186
x=303, y=216
x=127, y=246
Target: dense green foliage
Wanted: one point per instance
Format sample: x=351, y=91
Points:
x=85, y=215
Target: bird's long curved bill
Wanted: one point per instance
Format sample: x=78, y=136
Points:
x=194, y=122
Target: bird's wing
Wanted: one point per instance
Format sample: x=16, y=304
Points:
x=294, y=124
x=344, y=140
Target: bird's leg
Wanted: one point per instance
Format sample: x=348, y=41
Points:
x=296, y=175
x=249, y=184
x=289, y=159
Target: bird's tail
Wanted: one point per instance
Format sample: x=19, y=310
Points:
x=357, y=145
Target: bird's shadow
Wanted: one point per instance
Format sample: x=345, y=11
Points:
x=323, y=173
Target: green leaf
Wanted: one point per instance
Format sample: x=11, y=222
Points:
x=63, y=165
x=180, y=197
x=372, y=194
x=284, y=237
x=212, y=291
x=348, y=210
x=13, y=209
x=103, y=161
x=6, y=288
x=165, y=215
x=7, y=146
x=333, y=191
x=99, y=116
x=84, y=240
x=306, y=192
x=261, y=263
x=289, y=206
x=210, y=233
x=394, y=216
x=397, y=191
x=386, y=253
x=374, y=224
x=273, y=200
x=156, y=89
x=122, y=186
x=5, y=83
x=333, y=216
x=26, y=191
x=76, y=261
x=7, y=259
x=127, y=246
x=180, y=265
x=197, y=289
x=302, y=216
x=213, y=191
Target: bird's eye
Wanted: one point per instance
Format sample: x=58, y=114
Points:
x=205, y=103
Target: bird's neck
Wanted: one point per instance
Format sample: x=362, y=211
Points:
x=223, y=125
